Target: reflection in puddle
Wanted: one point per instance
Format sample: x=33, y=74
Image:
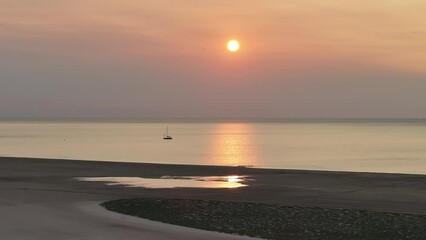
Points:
x=173, y=181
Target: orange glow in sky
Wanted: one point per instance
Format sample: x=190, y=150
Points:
x=307, y=58
x=372, y=33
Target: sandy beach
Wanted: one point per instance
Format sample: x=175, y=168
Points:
x=40, y=198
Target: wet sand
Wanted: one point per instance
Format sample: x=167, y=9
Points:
x=40, y=199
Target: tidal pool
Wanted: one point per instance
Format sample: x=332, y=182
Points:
x=232, y=181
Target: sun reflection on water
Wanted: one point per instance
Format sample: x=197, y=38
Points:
x=232, y=179
x=233, y=145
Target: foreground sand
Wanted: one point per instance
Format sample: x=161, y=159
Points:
x=39, y=199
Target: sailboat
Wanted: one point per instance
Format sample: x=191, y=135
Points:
x=166, y=136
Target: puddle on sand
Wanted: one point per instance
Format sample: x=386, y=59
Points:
x=233, y=181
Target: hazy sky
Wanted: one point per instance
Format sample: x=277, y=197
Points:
x=136, y=58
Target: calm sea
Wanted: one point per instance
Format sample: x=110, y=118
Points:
x=349, y=145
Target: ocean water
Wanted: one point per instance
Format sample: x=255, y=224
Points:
x=343, y=145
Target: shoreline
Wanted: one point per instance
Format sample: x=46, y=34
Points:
x=94, y=161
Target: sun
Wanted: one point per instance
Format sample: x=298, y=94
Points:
x=233, y=45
